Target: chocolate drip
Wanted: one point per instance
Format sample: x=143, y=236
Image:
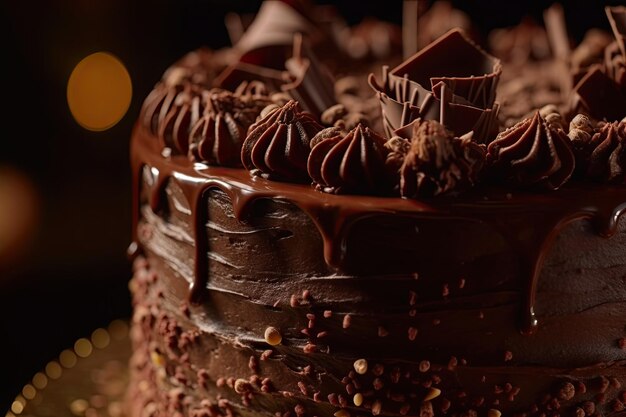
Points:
x=335, y=215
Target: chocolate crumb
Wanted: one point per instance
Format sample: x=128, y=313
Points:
x=412, y=333
x=309, y=348
x=360, y=366
x=347, y=320
x=445, y=291
x=508, y=356
x=382, y=332
x=299, y=409
x=328, y=314
x=376, y=407
x=302, y=388
x=293, y=301
x=378, y=369
x=424, y=366
x=266, y=354
x=432, y=394
x=378, y=384
x=493, y=413
x=603, y=384
x=242, y=386
x=273, y=336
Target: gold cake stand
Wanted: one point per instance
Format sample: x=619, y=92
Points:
x=88, y=380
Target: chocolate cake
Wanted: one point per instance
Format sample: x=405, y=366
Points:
x=330, y=221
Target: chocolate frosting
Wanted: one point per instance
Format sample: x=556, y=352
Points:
x=170, y=112
x=437, y=162
x=432, y=85
x=277, y=146
x=531, y=153
x=218, y=136
x=352, y=162
x=607, y=158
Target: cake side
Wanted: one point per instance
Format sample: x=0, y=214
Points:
x=439, y=317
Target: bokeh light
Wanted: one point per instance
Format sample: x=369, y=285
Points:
x=99, y=91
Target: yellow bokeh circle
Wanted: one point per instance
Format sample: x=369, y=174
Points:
x=99, y=91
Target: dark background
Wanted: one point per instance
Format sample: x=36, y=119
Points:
x=72, y=275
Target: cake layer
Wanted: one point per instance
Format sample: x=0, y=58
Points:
x=489, y=301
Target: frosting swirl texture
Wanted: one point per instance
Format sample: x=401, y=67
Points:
x=352, y=162
x=531, y=153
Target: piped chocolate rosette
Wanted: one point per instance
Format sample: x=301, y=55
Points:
x=170, y=111
x=531, y=154
x=452, y=81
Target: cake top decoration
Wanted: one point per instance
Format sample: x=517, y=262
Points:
x=451, y=76
x=436, y=162
x=531, y=153
x=349, y=162
x=277, y=145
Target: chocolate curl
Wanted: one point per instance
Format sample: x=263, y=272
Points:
x=556, y=29
x=410, y=16
x=234, y=27
x=268, y=40
x=313, y=89
x=457, y=112
x=615, y=54
x=411, y=101
x=617, y=19
x=234, y=75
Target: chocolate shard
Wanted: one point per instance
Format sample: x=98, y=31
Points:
x=531, y=154
x=349, y=162
x=452, y=72
x=598, y=95
x=278, y=145
x=170, y=111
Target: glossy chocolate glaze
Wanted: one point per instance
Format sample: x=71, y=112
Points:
x=454, y=280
